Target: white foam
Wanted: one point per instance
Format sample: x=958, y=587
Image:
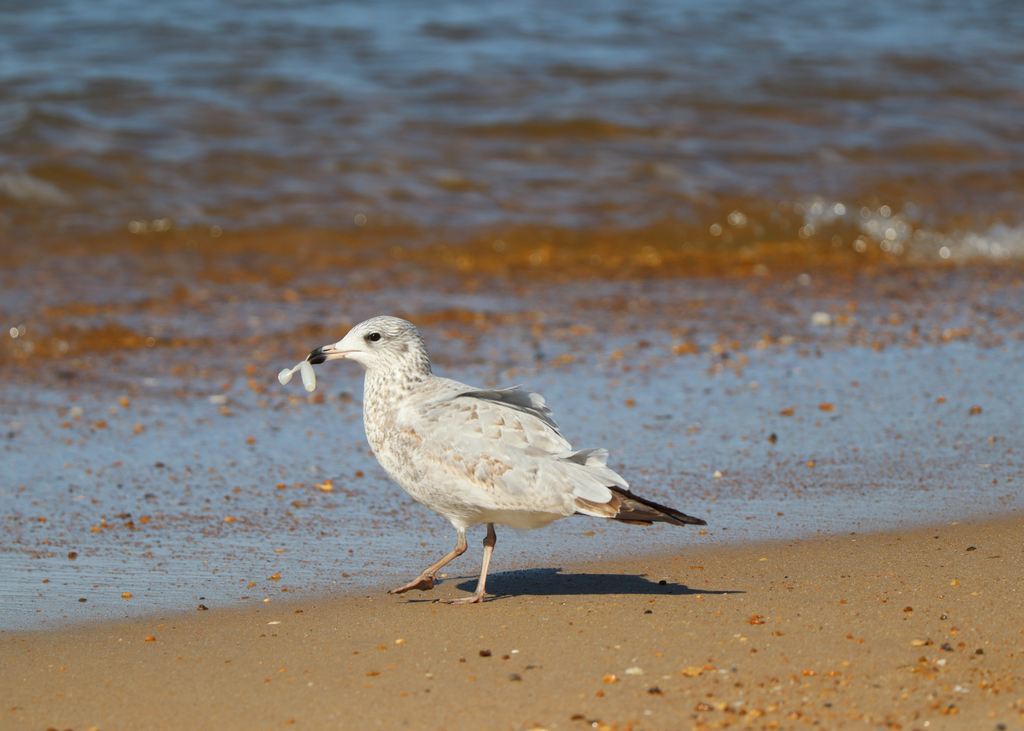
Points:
x=27, y=189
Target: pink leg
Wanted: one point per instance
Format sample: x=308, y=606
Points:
x=489, y=540
x=425, y=581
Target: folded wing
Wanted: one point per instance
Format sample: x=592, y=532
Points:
x=506, y=453
x=507, y=448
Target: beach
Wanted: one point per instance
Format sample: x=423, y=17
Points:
x=770, y=258
x=917, y=629
x=177, y=467
x=218, y=550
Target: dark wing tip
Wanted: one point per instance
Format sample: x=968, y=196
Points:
x=635, y=509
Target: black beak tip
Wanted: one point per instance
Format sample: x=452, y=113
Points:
x=317, y=356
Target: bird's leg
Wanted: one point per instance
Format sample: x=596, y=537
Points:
x=489, y=540
x=425, y=581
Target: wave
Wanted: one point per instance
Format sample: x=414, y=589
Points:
x=26, y=189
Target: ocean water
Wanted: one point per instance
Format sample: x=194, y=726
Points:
x=876, y=120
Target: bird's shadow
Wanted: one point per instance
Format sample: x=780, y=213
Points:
x=552, y=582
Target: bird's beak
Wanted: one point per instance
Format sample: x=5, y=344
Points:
x=326, y=353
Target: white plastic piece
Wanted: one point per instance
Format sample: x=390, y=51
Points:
x=306, y=369
x=308, y=377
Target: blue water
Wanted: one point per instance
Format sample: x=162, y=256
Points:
x=243, y=114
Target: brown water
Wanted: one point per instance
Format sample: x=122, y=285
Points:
x=894, y=124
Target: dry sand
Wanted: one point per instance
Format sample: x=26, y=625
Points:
x=919, y=629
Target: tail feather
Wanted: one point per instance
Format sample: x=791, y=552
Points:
x=627, y=507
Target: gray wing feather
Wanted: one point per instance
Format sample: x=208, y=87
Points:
x=518, y=399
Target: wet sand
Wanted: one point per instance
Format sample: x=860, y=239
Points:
x=197, y=485
x=913, y=630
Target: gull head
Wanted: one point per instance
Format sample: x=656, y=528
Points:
x=379, y=344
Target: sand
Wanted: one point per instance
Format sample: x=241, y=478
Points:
x=914, y=629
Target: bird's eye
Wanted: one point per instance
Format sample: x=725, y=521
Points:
x=373, y=337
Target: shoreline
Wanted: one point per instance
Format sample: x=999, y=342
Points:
x=178, y=500
x=885, y=627
x=518, y=552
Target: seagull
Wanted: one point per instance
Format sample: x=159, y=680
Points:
x=476, y=455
